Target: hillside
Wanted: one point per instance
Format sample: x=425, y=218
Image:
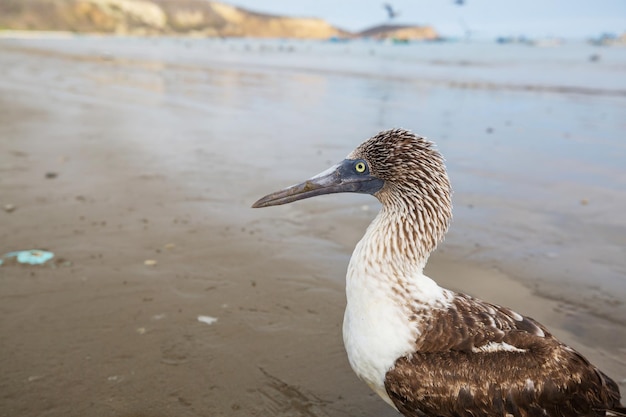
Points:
x=400, y=32
x=157, y=17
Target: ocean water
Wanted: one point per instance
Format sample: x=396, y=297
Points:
x=571, y=67
x=534, y=138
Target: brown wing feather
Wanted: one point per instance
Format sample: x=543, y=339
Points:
x=470, y=323
x=450, y=375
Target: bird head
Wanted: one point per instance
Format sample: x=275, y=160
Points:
x=411, y=169
x=396, y=166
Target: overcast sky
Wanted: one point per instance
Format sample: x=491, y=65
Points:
x=484, y=18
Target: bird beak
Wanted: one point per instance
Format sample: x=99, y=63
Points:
x=340, y=178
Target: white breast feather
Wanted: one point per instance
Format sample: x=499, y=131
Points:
x=376, y=328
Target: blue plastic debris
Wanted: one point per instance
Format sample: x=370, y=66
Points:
x=30, y=257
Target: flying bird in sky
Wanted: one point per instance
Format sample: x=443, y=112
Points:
x=391, y=12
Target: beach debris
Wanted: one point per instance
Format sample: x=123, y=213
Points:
x=207, y=319
x=169, y=246
x=9, y=208
x=141, y=330
x=584, y=202
x=30, y=257
x=51, y=175
x=150, y=262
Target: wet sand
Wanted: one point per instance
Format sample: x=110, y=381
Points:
x=143, y=172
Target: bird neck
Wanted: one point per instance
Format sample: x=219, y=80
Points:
x=407, y=232
x=390, y=259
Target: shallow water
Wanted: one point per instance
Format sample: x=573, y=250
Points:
x=572, y=67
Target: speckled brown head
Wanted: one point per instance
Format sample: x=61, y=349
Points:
x=410, y=166
x=403, y=170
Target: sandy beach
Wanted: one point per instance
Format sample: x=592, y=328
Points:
x=111, y=159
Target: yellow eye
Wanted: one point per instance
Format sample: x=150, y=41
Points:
x=360, y=167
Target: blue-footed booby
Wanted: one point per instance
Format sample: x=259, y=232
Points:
x=427, y=350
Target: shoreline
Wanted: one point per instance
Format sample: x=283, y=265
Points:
x=262, y=60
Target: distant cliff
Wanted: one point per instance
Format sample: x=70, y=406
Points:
x=400, y=32
x=157, y=17
x=175, y=17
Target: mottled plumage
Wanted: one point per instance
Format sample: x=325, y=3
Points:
x=426, y=350
x=495, y=363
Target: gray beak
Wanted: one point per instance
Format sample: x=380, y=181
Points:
x=340, y=178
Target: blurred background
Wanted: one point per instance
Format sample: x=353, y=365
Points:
x=135, y=280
